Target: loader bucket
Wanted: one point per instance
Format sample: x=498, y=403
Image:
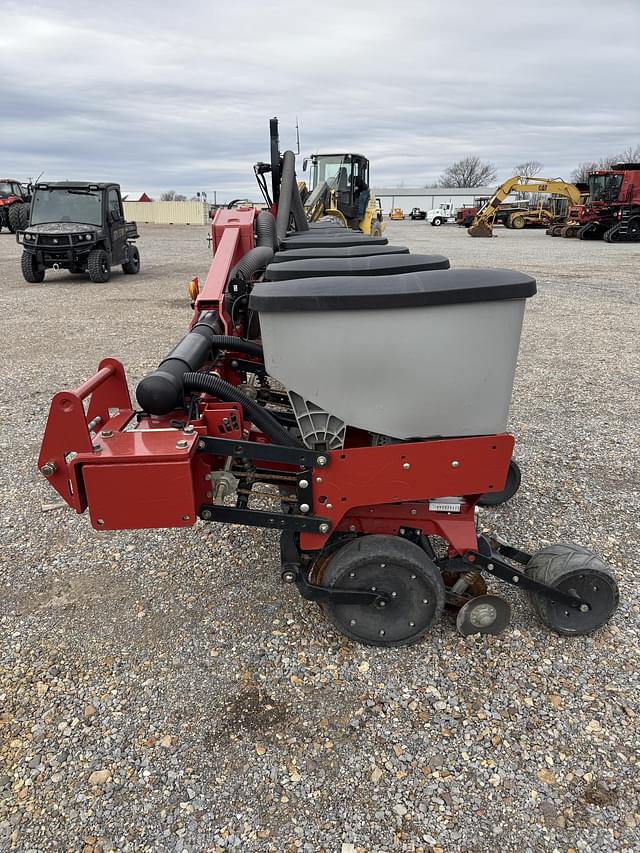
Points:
x=480, y=230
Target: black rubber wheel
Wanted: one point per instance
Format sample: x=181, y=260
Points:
x=570, y=567
x=396, y=567
x=99, y=266
x=437, y=221
x=23, y=216
x=517, y=222
x=13, y=218
x=32, y=273
x=514, y=478
x=612, y=235
x=132, y=266
x=633, y=232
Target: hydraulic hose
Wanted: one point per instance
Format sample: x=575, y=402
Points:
x=211, y=384
x=252, y=263
x=237, y=345
x=266, y=229
x=286, y=194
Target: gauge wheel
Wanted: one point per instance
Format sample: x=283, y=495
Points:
x=514, y=479
x=573, y=569
x=396, y=568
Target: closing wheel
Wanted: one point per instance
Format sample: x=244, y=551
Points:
x=486, y=614
x=573, y=569
x=514, y=478
x=396, y=568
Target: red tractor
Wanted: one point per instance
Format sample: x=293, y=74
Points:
x=311, y=365
x=15, y=199
x=613, y=210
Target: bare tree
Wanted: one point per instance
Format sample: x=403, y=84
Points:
x=629, y=155
x=172, y=195
x=529, y=169
x=469, y=172
x=580, y=174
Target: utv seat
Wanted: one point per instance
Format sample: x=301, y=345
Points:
x=338, y=252
x=367, y=265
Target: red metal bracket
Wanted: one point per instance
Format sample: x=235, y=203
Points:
x=67, y=433
x=406, y=472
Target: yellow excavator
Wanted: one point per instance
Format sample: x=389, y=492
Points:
x=482, y=225
x=339, y=187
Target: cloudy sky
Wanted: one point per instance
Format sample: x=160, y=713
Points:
x=160, y=95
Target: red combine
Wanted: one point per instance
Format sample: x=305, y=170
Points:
x=312, y=364
x=612, y=212
x=14, y=205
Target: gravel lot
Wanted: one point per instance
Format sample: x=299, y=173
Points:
x=163, y=691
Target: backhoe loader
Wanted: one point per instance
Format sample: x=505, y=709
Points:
x=482, y=225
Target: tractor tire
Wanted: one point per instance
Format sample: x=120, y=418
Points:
x=569, y=231
x=13, y=218
x=437, y=220
x=517, y=222
x=99, y=266
x=24, y=212
x=132, y=266
x=633, y=232
x=30, y=269
x=612, y=235
x=506, y=222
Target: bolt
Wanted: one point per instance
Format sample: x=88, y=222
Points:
x=515, y=578
x=406, y=466
x=490, y=567
x=97, y=448
x=413, y=577
x=189, y=428
x=107, y=433
x=304, y=507
x=455, y=464
x=329, y=506
x=202, y=445
x=382, y=603
x=394, y=594
x=186, y=517
x=49, y=469
x=414, y=512
x=425, y=600
x=321, y=461
x=206, y=514
x=100, y=521
x=304, y=484
x=318, y=479
x=381, y=632
x=352, y=528
x=374, y=589
x=182, y=443
x=584, y=608
x=412, y=624
x=288, y=577
x=352, y=621
x=324, y=527
x=234, y=364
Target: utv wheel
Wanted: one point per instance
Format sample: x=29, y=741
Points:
x=395, y=567
x=13, y=218
x=132, y=266
x=23, y=216
x=514, y=478
x=572, y=568
x=32, y=273
x=99, y=266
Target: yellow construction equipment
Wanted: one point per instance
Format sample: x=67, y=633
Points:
x=482, y=225
x=396, y=213
x=339, y=187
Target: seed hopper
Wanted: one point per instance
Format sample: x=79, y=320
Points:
x=369, y=389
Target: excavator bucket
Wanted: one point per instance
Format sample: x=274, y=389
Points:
x=482, y=229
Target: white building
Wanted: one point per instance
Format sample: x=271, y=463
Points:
x=427, y=198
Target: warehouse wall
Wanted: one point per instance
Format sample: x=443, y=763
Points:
x=168, y=212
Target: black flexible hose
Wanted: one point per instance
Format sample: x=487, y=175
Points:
x=266, y=229
x=211, y=384
x=252, y=263
x=286, y=194
x=297, y=208
x=237, y=345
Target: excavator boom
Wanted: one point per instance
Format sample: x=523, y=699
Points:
x=482, y=225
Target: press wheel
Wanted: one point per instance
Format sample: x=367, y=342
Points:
x=396, y=568
x=573, y=569
x=485, y=614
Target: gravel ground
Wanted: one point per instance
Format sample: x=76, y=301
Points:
x=162, y=690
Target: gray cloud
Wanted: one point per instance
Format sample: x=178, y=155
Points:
x=162, y=96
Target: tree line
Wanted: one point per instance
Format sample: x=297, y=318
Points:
x=474, y=172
